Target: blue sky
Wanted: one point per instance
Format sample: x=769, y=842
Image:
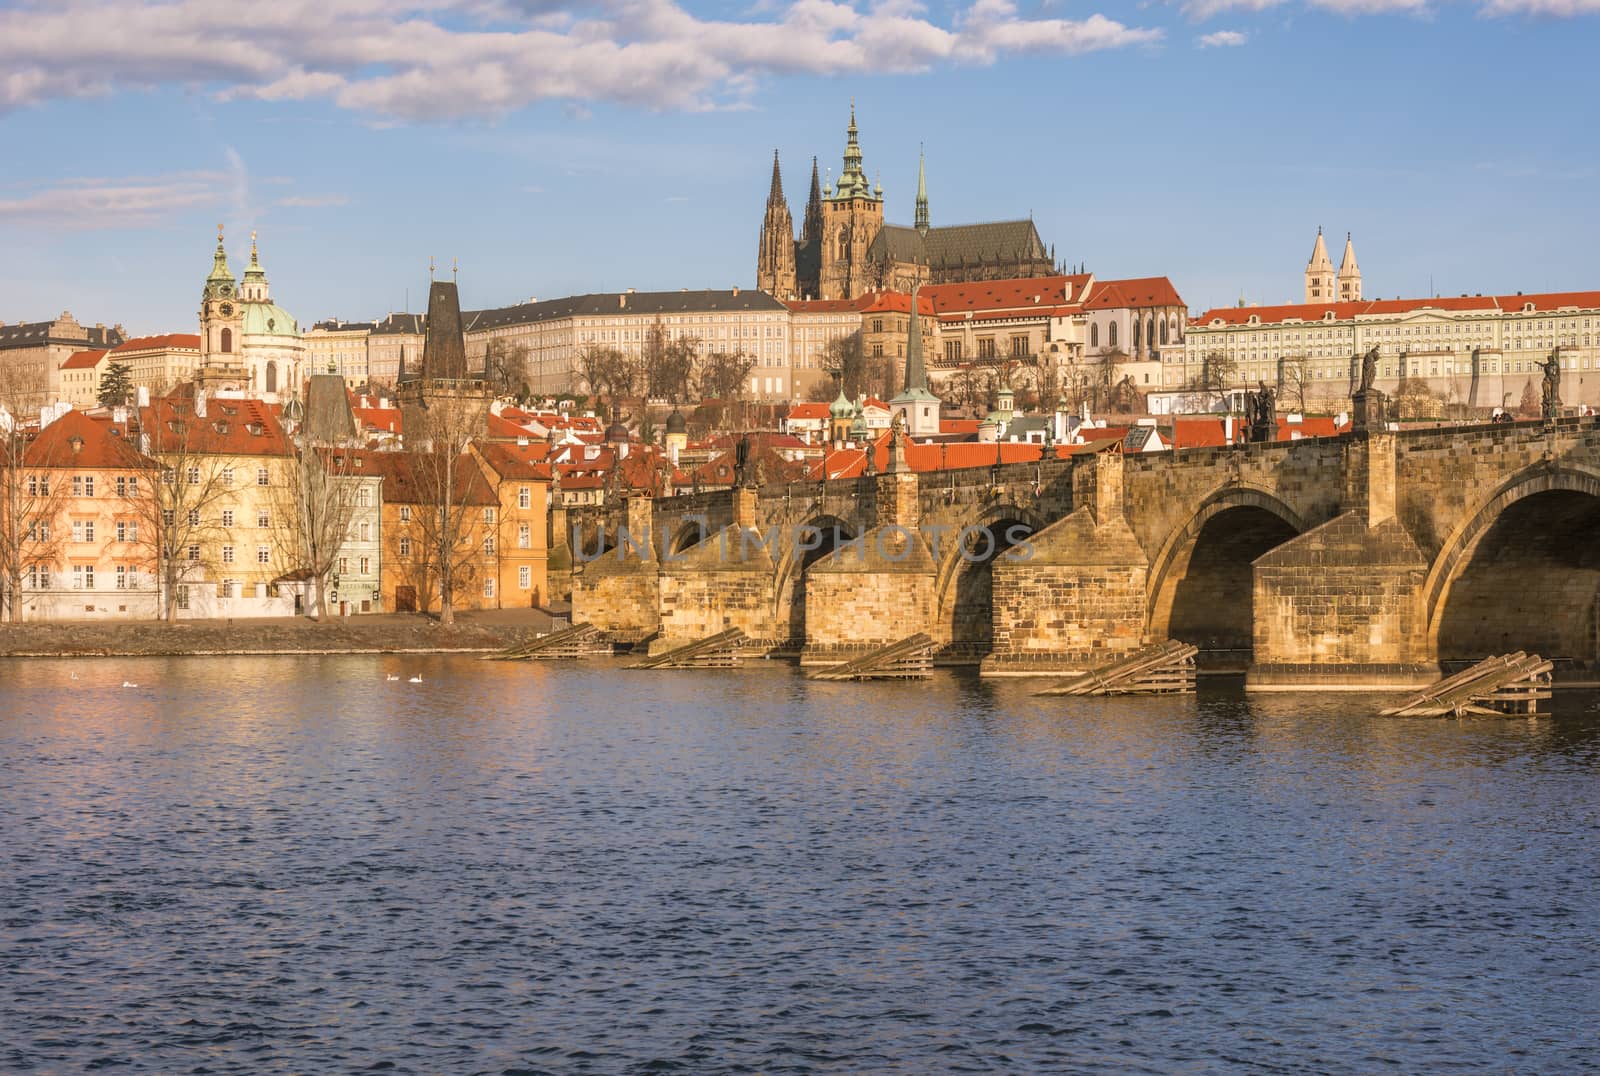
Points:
x=554, y=148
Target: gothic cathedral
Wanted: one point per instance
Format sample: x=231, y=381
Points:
x=845, y=250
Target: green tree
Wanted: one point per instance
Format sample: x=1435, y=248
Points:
x=116, y=385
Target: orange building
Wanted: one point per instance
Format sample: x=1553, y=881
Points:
x=520, y=476
x=415, y=530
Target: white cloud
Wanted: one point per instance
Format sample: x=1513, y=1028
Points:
x=440, y=59
x=117, y=202
x=1223, y=39
x=1560, y=9
x=1372, y=7
x=1199, y=10
x=312, y=201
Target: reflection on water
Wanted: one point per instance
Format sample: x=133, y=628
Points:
x=293, y=864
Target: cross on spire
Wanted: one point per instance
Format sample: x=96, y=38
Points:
x=430, y=266
x=455, y=270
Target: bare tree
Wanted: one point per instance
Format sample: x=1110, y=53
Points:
x=314, y=509
x=668, y=364
x=602, y=368
x=31, y=495
x=178, y=508
x=1294, y=383
x=505, y=367
x=845, y=358
x=449, y=486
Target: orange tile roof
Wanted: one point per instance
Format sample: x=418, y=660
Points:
x=1313, y=312
x=510, y=460
x=1554, y=300
x=185, y=341
x=1044, y=294
x=1138, y=292
x=896, y=302
x=379, y=418
x=1310, y=312
x=101, y=445
x=230, y=427
x=807, y=411
x=84, y=360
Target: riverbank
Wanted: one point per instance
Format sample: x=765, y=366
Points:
x=394, y=633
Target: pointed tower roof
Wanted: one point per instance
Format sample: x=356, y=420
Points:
x=775, y=196
x=254, y=270
x=1319, y=256
x=1348, y=266
x=811, y=229
x=922, y=194
x=219, y=263
x=916, y=380
x=444, y=352
x=853, y=182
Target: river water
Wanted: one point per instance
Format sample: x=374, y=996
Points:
x=298, y=865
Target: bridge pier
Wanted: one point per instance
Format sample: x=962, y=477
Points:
x=876, y=589
x=1341, y=606
x=1074, y=596
x=618, y=590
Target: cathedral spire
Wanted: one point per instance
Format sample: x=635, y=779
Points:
x=853, y=182
x=922, y=194
x=916, y=371
x=1349, y=273
x=776, y=194
x=811, y=231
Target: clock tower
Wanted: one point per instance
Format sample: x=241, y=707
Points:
x=221, y=313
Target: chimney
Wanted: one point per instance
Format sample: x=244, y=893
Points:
x=736, y=291
x=622, y=301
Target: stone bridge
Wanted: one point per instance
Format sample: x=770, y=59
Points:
x=1356, y=561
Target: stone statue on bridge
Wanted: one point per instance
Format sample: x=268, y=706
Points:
x=1261, y=413
x=1550, y=402
x=1369, y=370
x=742, y=473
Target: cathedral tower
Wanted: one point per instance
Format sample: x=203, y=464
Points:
x=221, y=314
x=852, y=216
x=923, y=222
x=1349, y=274
x=808, y=252
x=775, y=256
x=1319, y=274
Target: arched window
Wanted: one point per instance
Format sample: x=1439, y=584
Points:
x=844, y=242
x=1150, y=333
x=272, y=376
x=1111, y=335
x=1094, y=335
x=1163, y=333
x=226, y=347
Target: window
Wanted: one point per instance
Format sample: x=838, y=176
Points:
x=488, y=586
x=169, y=518
x=1094, y=336
x=77, y=531
x=488, y=515
x=1111, y=335
x=952, y=351
x=183, y=597
x=122, y=577
x=263, y=555
x=261, y=476
x=227, y=517
x=525, y=577
x=77, y=485
x=366, y=532
x=985, y=347
x=405, y=547
x=1019, y=346
x=83, y=577
x=194, y=517
x=363, y=497
x=263, y=520
x=344, y=565
x=227, y=476
x=225, y=347
x=405, y=513
x=194, y=476
x=524, y=537
x=524, y=497
x=877, y=325
x=194, y=553
x=488, y=543
x=366, y=565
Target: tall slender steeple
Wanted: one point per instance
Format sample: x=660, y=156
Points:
x=922, y=195
x=853, y=182
x=775, y=255
x=918, y=408
x=811, y=230
x=1319, y=274
x=1349, y=274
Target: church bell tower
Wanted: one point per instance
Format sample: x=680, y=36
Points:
x=221, y=313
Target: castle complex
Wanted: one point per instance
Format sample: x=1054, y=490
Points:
x=845, y=249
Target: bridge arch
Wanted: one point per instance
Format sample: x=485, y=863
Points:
x=963, y=585
x=789, y=592
x=1200, y=583
x=1521, y=572
x=689, y=534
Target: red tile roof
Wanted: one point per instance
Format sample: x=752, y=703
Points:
x=510, y=460
x=1138, y=292
x=379, y=418
x=807, y=411
x=84, y=360
x=1044, y=294
x=101, y=445
x=1555, y=300
x=410, y=478
x=1313, y=312
x=169, y=341
x=230, y=428
x=896, y=302
x=1241, y=315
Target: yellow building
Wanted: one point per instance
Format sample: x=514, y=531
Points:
x=521, y=479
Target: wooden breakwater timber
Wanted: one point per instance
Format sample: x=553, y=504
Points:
x=909, y=659
x=578, y=641
x=724, y=650
x=1511, y=684
x=1163, y=669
